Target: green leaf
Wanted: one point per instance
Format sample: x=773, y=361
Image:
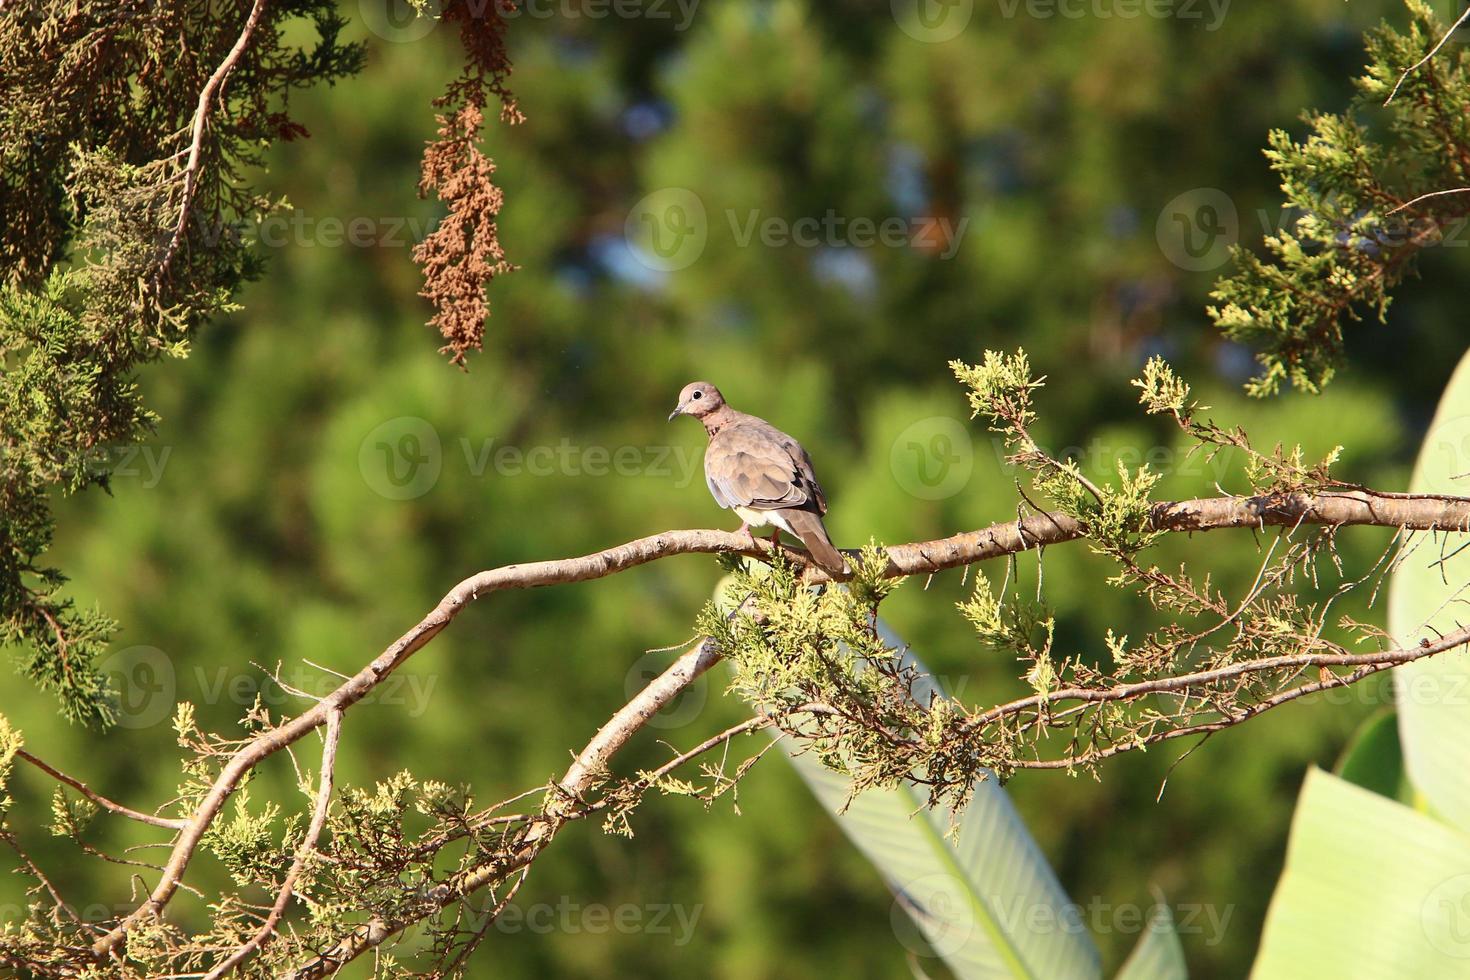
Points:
x=985, y=898
x=1374, y=760
x=1425, y=600
x=1158, y=955
x=1371, y=888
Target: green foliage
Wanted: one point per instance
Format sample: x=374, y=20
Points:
x=1116, y=515
x=117, y=243
x=1424, y=603
x=1369, y=886
x=262, y=540
x=1356, y=185
x=10, y=743
x=958, y=877
x=1282, y=470
x=1374, y=759
x=1159, y=954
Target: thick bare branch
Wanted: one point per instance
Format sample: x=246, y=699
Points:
x=1334, y=508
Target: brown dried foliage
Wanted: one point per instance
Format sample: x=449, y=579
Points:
x=463, y=253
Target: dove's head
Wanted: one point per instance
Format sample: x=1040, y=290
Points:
x=699, y=399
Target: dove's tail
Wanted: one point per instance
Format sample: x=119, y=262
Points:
x=808, y=526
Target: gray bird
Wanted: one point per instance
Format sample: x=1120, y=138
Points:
x=761, y=473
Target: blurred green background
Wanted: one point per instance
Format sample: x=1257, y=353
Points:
x=1059, y=178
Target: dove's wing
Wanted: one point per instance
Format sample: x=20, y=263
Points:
x=751, y=463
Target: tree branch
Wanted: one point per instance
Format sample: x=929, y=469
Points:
x=303, y=852
x=167, y=823
x=584, y=771
x=1331, y=508
x=1425, y=60
x=593, y=759
x=196, y=142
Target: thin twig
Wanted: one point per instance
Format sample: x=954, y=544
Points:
x=1380, y=660
x=168, y=823
x=1425, y=197
x=1425, y=60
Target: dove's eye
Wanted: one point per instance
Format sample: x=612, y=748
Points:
x=699, y=394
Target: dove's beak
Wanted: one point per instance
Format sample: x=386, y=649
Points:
x=676, y=413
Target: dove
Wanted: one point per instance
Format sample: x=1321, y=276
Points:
x=761, y=473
